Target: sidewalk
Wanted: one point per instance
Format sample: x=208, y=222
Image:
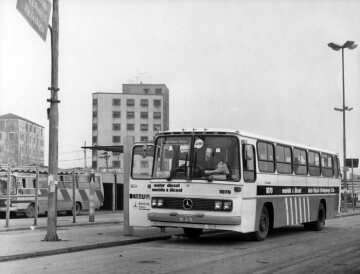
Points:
x=22, y=240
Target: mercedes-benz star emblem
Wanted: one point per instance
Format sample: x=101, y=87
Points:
x=187, y=203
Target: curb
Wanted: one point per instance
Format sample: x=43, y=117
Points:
x=65, y=225
x=81, y=248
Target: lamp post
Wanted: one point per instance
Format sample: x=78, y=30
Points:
x=336, y=47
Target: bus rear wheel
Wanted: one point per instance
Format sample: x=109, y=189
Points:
x=30, y=211
x=264, y=226
x=192, y=233
x=319, y=224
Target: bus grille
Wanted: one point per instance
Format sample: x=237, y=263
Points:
x=197, y=204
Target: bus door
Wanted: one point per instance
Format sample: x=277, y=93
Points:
x=139, y=190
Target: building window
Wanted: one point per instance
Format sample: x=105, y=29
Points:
x=94, y=164
x=94, y=126
x=157, y=115
x=95, y=102
x=144, y=102
x=144, y=115
x=116, y=164
x=11, y=136
x=94, y=114
x=146, y=91
x=157, y=127
x=116, y=102
x=94, y=139
x=158, y=91
x=116, y=114
x=157, y=103
x=130, y=127
x=116, y=126
x=130, y=114
x=144, y=138
x=144, y=127
x=130, y=102
x=116, y=139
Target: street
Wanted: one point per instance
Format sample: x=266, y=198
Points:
x=288, y=250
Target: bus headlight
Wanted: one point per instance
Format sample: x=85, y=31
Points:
x=153, y=202
x=157, y=202
x=227, y=206
x=218, y=205
x=160, y=203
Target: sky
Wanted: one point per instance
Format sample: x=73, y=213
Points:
x=259, y=66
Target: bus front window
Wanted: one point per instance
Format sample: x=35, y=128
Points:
x=216, y=158
x=200, y=157
x=172, y=157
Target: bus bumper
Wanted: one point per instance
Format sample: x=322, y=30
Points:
x=12, y=208
x=194, y=218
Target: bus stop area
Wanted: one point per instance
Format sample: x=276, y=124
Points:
x=22, y=240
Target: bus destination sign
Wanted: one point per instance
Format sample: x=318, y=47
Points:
x=37, y=13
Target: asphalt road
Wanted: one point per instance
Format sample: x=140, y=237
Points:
x=336, y=249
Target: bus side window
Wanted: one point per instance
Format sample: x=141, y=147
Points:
x=249, y=163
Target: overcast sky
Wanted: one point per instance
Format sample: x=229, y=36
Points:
x=259, y=66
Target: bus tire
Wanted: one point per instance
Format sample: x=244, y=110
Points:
x=192, y=233
x=319, y=224
x=264, y=226
x=30, y=211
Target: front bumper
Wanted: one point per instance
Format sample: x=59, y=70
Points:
x=194, y=218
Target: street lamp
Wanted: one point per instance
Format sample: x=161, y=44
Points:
x=336, y=47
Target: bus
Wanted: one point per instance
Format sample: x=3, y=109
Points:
x=221, y=179
x=23, y=190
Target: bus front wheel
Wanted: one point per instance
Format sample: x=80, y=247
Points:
x=30, y=211
x=192, y=233
x=319, y=224
x=264, y=226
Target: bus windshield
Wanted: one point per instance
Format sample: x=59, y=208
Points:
x=199, y=157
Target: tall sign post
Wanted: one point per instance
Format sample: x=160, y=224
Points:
x=91, y=198
x=53, y=116
x=37, y=13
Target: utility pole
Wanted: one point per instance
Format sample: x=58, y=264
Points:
x=53, y=116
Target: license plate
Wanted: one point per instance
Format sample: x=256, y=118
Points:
x=185, y=219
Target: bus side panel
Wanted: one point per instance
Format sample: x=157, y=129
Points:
x=248, y=215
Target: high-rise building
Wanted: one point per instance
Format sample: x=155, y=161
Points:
x=21, y=141
x=140, y=111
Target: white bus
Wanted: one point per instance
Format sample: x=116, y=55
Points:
x=23, y=190
x=236, y=181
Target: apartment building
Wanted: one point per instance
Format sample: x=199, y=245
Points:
x=140, y=111
x=21, y=141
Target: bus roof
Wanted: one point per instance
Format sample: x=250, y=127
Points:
x=243, y=134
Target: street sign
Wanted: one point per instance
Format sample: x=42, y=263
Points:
x=355, y=163
x=37, y=13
